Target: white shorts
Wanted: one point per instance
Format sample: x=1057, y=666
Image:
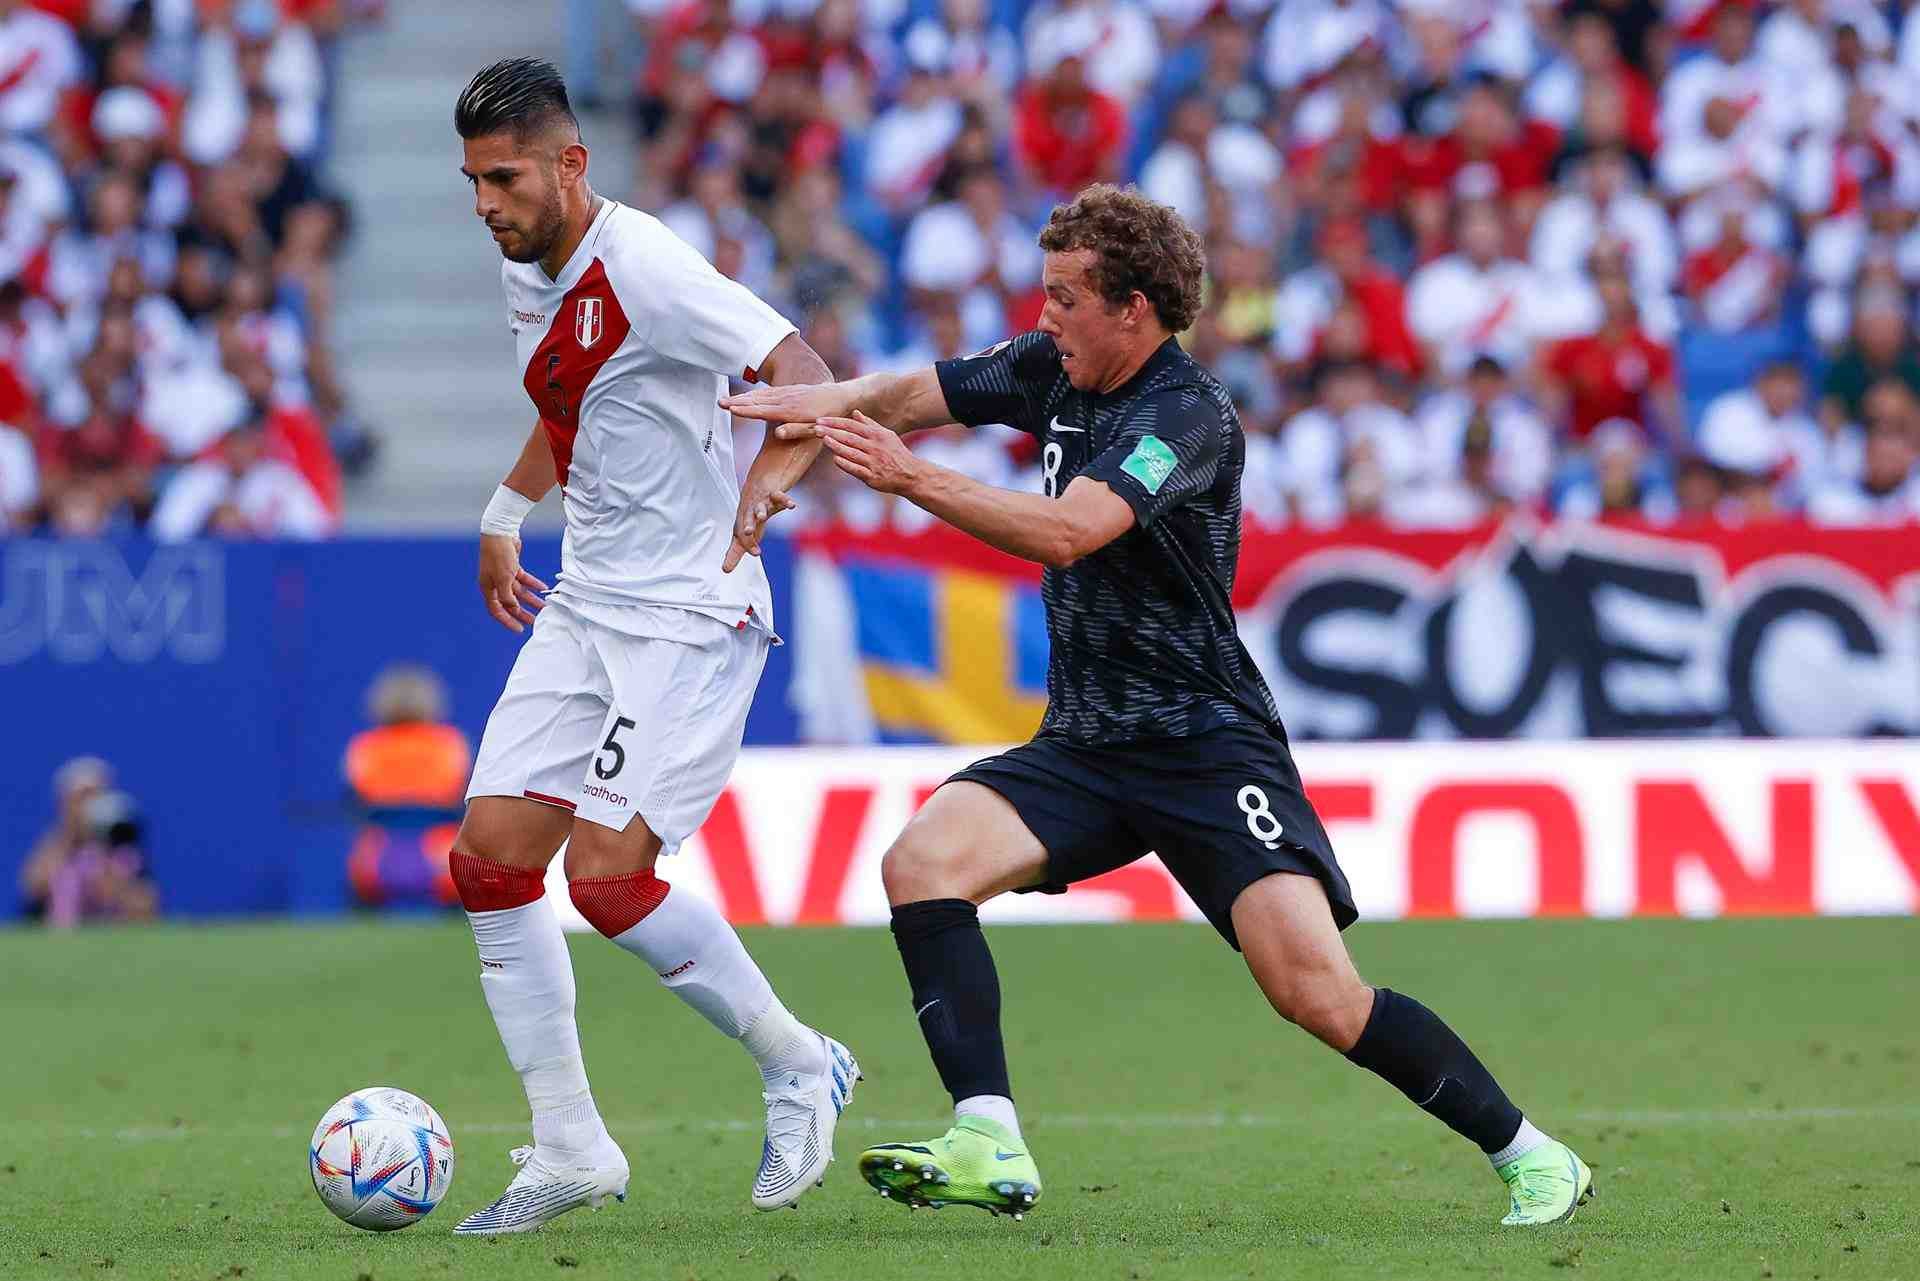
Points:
x=609, y=722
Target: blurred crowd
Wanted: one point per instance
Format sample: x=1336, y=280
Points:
x=1593, y=258
x=167, y=241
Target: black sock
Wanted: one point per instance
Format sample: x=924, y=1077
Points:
x=956, y=993
x=1406, y=1043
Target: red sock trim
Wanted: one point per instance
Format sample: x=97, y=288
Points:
x=615, y=904
x=487, y=886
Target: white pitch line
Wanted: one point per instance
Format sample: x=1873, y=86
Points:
x=1651, y=1118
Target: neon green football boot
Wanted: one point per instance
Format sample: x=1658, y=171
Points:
x=1547, y=1185
x=977, y=1162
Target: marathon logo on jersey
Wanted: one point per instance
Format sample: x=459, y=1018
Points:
x=530, y=317
x=587, y=321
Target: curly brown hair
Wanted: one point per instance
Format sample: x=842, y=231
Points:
x=1138, y=244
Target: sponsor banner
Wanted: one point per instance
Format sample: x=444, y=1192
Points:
x=1423, y=830
x=214, y=678
x=1517, y=630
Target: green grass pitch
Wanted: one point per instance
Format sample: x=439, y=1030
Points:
x=1747, y=1092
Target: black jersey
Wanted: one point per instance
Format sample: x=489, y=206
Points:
x=1141, y=633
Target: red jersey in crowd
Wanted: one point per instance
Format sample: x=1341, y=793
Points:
x=685, y=38
x=1521, y=163
x=1390, y=343
x=296, y=436
x=1835, y=176
x=77, y=104
x=104, y=442
x=1068, y=144
x=1609, y=377
x=1641, y=108
x=1377, y=294
x=1376, y=165
x=18, y=408
x=71, y=12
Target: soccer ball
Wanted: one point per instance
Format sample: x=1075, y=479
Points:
x=381, y=1158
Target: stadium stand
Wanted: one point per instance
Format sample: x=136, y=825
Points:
x=1467, y=258
x=166, y=278
x=1464, y=255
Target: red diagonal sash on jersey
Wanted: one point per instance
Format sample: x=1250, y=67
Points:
x=1481, y=334
x=587, y=327
x=19, y=71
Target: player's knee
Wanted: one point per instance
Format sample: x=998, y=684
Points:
x=503, y=833
x=915, y=868
x=615, y=904
x=900, y=872
x=489, y=885
x=1331, y=1007
x=477, y=838
x=595, y=851
x=584, y=861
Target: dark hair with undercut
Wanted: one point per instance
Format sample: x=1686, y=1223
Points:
x=1138, y=245
x=525, y=95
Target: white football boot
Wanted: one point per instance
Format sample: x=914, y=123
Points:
x=550, y=1183
x=801, y=1114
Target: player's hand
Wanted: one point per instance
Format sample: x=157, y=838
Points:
x=750, y=522
x=871, y=454
x=791, y=403
x=511, y=593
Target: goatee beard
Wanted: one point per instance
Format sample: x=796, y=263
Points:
x=552, y=225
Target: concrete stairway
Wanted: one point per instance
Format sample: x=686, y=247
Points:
x=421, y=327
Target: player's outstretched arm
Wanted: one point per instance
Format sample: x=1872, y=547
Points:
x=511, y=593
x=904, y=402
x=1053, y=531
x=782, y=461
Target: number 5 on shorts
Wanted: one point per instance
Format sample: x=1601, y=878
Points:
x=600, y=768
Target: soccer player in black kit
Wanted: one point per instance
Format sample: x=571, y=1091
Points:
x=1159, y=733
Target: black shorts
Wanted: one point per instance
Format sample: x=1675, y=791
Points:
x=1222, y=809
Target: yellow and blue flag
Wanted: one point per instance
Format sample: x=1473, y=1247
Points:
x=951, y=637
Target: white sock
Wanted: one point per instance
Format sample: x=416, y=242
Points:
x=994, y=1107
x=527, y=977
x=782, y=1045
x=702, y=961
x=1524, y=1141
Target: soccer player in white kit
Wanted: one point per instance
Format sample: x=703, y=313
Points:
x=625, y=709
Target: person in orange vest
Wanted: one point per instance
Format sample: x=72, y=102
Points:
x=408, y=774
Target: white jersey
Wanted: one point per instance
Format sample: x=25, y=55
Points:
x=626, y=356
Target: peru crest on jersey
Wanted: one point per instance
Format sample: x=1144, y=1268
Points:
x=587, y=322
